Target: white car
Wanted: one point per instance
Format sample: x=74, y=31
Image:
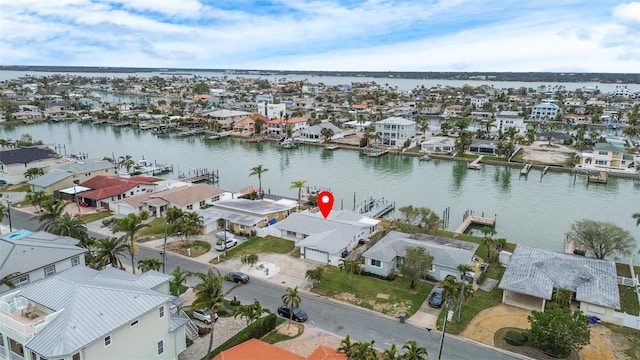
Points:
x=203, y=315
x=231, y=242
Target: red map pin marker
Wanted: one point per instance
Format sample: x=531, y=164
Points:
x=325, y=203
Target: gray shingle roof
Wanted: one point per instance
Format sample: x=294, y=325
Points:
x=90, y=306
x=313, y=222
x=26, y=155
x=88, y=165
x=446, y=252
x=536, y=272
x=24, y=251
x=252, y=206
x=212, y=214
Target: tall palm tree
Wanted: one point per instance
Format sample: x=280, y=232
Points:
x=391, y=353
x=298, y=184
x=72, y=226
x=149, y=263
x=258, y=170
x=4, y=211
x=209, y=296
x=37, y=198
x=126, y=162
x=108, y=251
x=292, y=300
x=51, y=212
x=351, y=267
x=180, y=276
x=464, y=269
x=130, y=225
x=413, y=351
x=346, y=346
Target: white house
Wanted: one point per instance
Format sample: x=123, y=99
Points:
x=605, y=156
x=509, y=119
x=227, y=118
x=326, y=240
x=83, y=313
x=545, y=110
x=394, y=131
x=26, y=257
x=272, y=111
x=387, y=255
x=187, y=198
x=14, y=162
x=314, y=133
x=438, y=144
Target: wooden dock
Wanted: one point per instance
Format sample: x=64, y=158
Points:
x=199, y=175
x=602, y=177
x=475, y=164
x=471, y=219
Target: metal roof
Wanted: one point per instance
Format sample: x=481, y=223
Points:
x=50, y=178
x=91, y=304
x=396, y=121
x=309, y=223
x=537, y=272
x=260, y=207
x=34, y=251
x=88, y=165
x=212, y=214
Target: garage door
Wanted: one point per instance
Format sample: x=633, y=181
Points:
x=125, y=210
x=316, y=255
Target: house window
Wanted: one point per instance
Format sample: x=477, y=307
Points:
x=160, y=347
x=202, y=203
x=189, y=207
x=601, y=162
x=161, y=311
x=75, y=261
x=21, y=280
x=376, y=263
x=603, y=153
x=134, y=323
x=76, y=356
x=16, y=347
x=242, y=227
x=49, y=270
x=107, y=340
x=1, y=343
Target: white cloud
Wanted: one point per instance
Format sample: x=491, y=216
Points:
x=628, y=12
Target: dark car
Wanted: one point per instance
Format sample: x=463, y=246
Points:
x=436, y=300
x=238, y=277
x=298, y=314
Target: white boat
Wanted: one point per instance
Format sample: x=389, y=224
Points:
x=288, y=143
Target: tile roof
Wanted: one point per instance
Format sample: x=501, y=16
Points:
x=181, y=196
x=537, y=272
x=107, y=186
x=90, y=305
x=323, y=352
x=34, y=251
x=255, y=349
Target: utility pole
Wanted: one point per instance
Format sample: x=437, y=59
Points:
x=164, y=250
x=9, y=215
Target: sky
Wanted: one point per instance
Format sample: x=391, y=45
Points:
x=325, y=35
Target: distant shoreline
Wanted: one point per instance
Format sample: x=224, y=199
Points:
x=568, y=77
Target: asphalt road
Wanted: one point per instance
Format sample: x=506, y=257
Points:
x=329, y=315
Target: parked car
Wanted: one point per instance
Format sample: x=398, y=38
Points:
x=237, y=276
x=221, y=235
x=435, y=299
x=204, y=315
x=299, y=315
x=231, y=242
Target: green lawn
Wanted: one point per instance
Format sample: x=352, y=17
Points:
x=384, y=296
x=481, y=300
x=258, y=245
x=155, y=229
x=628, y=298
x=96, y=216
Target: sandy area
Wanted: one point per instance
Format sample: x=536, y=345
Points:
x=487, y=322
x=539, y=152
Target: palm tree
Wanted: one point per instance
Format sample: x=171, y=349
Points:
x=180, y=276
x=209, y=296
x=351, y=267
x=4, y=210
x=392, y=353
x=51, y=212
x=72, y=226
x=292, y=300
x=149, y=263
x=464, y=269
x=258, y=170
x=37, y=198
x=108, y=251
x=346, y=346
x=33, y=173
x=130, y=225
x=298, y=184
x=126, y=162
x=413, y=351
x=313, y=275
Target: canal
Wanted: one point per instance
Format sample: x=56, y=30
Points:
x=532, y=210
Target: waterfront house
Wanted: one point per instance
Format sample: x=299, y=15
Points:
x=394, y=131
x=387, y=255
x=509, y=119
x=83, y=313
x=187, y=198
x=14, y=162
x=438, y=144
x=533, y=274
x=268, y=213
x=51, y=181
x=483, y=147
x=553, y=136
x=326, y=240
x=247, y=126
x=279, y=126
x=605, y=156
x=101, y=191
x=226, y=118
x=27, y=256
x=272, y=111
x=85, y=169
x=545, y=111
x=313, y=134
x=453, y=111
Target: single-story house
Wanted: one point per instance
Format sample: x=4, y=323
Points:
x=483, y=147
x=387, y=255
x=314, y=133
x=438, y=144
x=269, y=212
x=14, y=162
x=554, y=136
x=532, y=275
x=187, y=198
x=64, y=175
x=51, y=181
x=109, y=189
x=327, y=240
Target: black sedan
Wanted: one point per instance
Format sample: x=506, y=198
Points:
x=299, y=315
x=238, y=277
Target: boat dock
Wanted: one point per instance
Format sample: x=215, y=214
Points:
x=375, y=208
x=525, y=169
x=332, y=147
x=602, y=177
x=470, y=219
x=475, y=164
x=199, y=175
x=425, y=158
x=376, y=152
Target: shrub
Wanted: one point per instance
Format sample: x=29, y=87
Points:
x=391, y=276
x=516, y=338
